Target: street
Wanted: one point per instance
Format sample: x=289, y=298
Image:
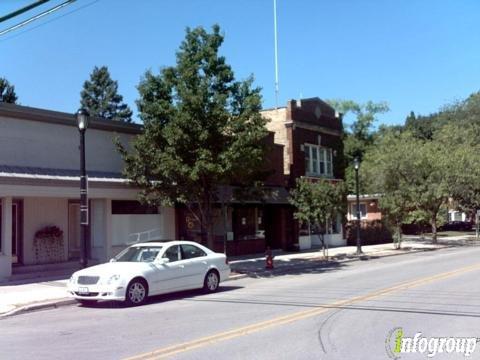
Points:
x=337, y=312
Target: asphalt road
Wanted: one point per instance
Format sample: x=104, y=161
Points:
x=348, y=311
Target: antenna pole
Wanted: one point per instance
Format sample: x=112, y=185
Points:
x=276, y=50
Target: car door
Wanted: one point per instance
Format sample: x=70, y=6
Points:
x=171, y=275
x=196, y=264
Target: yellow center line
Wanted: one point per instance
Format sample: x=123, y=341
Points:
x=282, y=320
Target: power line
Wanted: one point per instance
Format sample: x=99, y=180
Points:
x=22, y=10
x=49, y=21
x=36, y=17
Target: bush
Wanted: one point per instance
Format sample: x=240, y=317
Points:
x=416, y=229
x=371, y=233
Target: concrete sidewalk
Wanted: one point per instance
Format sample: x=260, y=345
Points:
x=22, y=296
x=294, y=262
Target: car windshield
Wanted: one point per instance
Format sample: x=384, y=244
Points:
x=139, y=254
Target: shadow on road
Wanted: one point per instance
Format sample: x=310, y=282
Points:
x=181, y=295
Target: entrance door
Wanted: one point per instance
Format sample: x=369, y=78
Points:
x=17, y=225
x=73, y=231
x=15, y=242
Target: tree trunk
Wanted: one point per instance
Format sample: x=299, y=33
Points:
x=399, y=236
x=434, y=228
x=322, y=237
x=310, y=234
x=208, y=211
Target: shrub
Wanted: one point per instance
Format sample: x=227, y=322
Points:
x=371, y=233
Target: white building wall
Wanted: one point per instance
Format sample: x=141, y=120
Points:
x=40, y=144
x=6, y=238
x=130, y=229
x=98, y=230
x=38, y=213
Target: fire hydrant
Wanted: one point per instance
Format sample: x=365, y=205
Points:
x=268, y=259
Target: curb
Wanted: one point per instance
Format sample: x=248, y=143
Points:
x=237, y=276
x=53, y=304
x=38, y=306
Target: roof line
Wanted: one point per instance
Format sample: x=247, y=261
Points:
x=56, y=117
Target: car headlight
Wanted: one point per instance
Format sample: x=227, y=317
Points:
x=113, y=279
x=73, y=279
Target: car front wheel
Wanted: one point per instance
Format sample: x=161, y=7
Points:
x=137, y=292
x=212, y=280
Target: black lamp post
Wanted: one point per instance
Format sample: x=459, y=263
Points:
x=356, y=164
x=82, y=120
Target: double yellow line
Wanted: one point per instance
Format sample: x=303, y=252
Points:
x=282, y=320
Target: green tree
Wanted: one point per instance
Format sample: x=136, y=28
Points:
x=7, y=92
x=100, y=97
x=360, y=135
x=379, y=174
x=318, y=203
x=203, y=130
x=462, y=168
x=411, y=174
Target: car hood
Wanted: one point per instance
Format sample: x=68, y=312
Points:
x=115, y=268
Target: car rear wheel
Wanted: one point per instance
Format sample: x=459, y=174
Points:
x=137, y=292
x=211, y=282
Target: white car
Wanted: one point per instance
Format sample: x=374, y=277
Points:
x=150, y=268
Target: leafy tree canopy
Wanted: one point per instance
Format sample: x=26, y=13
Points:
x=100, y=97
x=360, y=134
x=203, y=129
x=7, y=92
x=318, y=202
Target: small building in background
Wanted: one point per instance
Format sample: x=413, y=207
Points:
x=369, y=208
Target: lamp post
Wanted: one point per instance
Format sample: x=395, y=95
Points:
x=82, y=121
x=356, y=164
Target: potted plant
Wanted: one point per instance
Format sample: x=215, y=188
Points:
x=48, y=245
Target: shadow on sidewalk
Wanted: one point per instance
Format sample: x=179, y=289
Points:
x=256, y=268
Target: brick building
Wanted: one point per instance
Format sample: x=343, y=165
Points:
x=305, y=139
x=369, y=208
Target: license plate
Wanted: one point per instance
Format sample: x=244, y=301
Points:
x=83, y=290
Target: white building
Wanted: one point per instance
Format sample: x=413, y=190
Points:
x=39, y=187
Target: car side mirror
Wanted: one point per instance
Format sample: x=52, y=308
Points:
x=162, y=261
x=113, y=260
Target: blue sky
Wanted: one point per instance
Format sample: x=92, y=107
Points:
x=416, y=55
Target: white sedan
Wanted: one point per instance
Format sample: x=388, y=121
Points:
x=150, y=268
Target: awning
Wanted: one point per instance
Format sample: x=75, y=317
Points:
x=265, y=195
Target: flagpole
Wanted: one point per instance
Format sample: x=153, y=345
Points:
x=276, y=50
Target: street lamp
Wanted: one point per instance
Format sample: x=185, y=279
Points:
x=82, y=121
x=356, y=165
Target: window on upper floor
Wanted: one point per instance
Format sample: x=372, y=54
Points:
x=318, y=161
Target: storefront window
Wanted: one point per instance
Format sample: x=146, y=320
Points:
x=333, y=227
x=131, y=207
x=249, y=224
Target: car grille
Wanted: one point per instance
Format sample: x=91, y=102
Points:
x=87, y=294
x=88, y=280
